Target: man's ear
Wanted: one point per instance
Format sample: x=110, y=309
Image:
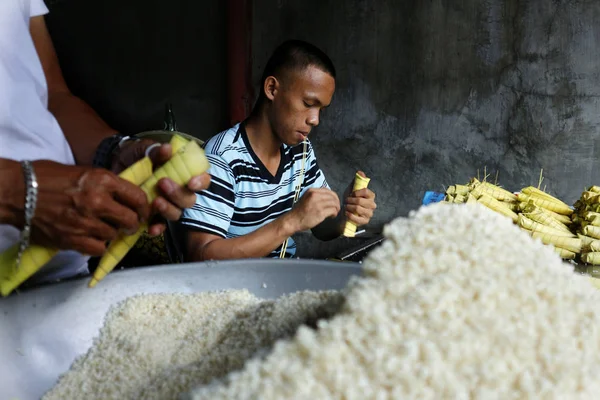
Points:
x=271, y=87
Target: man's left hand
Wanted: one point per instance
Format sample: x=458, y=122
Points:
x=360, y=205
x=174, y=198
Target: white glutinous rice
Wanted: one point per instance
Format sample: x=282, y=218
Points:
x=458, y=303
x=158, y=346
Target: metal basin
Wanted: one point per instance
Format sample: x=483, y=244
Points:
x=162, y=136
x=43, y=329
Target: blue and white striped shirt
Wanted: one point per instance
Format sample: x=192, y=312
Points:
x=243, y=194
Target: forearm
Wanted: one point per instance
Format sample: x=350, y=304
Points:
x=83, y=128
x=12, y=187
x=259, y=243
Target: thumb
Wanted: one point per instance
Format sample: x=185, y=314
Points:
x=362, y=174
x=159, y=154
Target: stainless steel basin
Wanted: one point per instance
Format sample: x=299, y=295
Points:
x=43, y=329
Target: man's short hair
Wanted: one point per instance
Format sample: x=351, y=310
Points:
x=297, y=55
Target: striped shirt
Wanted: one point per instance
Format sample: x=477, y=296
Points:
x=243, y=194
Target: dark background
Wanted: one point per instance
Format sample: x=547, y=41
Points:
x=428, y=92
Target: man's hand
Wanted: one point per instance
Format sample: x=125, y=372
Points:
x=360, y=205
x=174, y=197
x=313, y=208
x=80, y=208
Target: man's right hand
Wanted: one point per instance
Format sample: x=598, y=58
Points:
x=313, y=208
x=81, y=208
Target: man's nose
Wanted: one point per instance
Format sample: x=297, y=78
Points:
x=313, y=119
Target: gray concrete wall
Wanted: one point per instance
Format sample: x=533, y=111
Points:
x=430, y=91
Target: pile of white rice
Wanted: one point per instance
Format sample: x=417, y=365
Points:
x=458, y=303
x=158, y=346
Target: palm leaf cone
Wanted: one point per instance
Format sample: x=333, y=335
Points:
x=150, y=250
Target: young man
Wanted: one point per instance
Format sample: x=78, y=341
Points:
x=256, y=166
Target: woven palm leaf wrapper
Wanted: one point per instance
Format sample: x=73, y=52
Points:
x=150, y=250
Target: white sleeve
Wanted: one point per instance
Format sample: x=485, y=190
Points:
x=37, y=7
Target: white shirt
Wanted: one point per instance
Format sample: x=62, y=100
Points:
x=27, y=129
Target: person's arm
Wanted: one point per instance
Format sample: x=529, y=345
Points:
x=81, y=125
x=77, y=208
x=332, y=227
x=314, y=207
x=204, y=246
x=13, y=193
x=85, y=130
x=208, y=221
x=358, y=207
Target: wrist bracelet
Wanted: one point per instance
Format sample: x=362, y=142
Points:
x=31, y=195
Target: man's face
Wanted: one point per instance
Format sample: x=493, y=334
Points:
x=298, y=101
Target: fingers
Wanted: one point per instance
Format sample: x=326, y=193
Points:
x=332, y=211
x=98, y=185
x=324, y=211
x=359, y=211
x=315, y=206
x=180, y=196
x=105, y=196
x=199, y=183
x=167, y=210
x=361, y=206
x=361, y=201
x=160, y=155
x=329, y=208
x=118, y=215
x=81, y=244
x=322, y=193
x=365, y=193
x=326, y=201
x=323, y=196
x=131, y=196
x=174, y=198
x=94, y=211
x=358, y=220
x=74, y=223
x=157, y=229
x=84, y=245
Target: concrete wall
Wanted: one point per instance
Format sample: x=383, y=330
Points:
x=430, y=91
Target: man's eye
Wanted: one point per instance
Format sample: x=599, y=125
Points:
x=307, y=105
